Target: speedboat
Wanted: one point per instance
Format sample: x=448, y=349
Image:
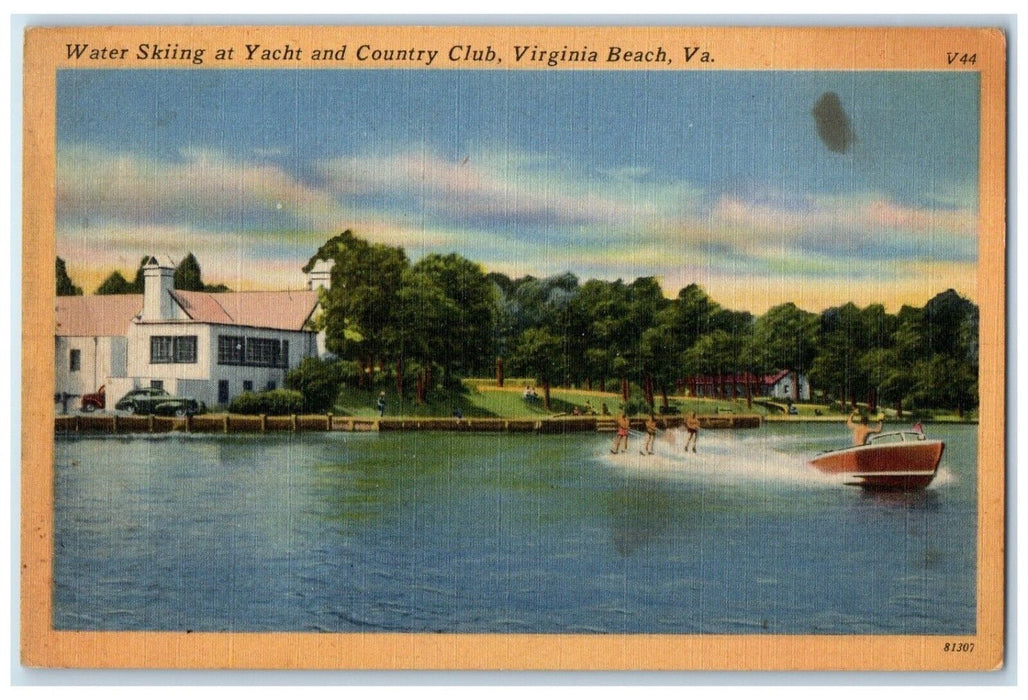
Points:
x=902, y=460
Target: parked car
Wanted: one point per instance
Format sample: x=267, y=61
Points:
x=159, y=402
x=95, y=401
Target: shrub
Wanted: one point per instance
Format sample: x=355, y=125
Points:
x=246, y=404
x=318, y=382
x=278, y=402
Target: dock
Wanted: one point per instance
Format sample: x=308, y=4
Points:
x=233, y=423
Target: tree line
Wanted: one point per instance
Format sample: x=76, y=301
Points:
x=444, y=318
x=417, y=326
x=188, y=277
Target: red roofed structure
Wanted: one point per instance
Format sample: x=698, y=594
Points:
x=211, y=346
x=785, y=384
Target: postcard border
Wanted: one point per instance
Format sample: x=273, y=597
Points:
x=884, y=49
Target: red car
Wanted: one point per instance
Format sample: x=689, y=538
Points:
x=94, y=401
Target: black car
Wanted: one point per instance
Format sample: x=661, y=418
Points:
x=158, y=402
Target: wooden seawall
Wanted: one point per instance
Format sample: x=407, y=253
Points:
x=232, y=423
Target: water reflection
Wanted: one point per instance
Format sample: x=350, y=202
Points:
x=638, y=515
x=923, y=499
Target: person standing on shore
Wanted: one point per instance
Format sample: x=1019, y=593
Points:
x=692, y=427
x=621, y=437
x=381, y=405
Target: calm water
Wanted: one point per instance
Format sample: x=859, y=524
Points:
x=506, y=533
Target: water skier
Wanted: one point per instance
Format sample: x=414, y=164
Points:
x=692, y=427
x=621, y=438
x=651, y=434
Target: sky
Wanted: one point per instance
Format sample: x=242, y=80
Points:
x=721, y=178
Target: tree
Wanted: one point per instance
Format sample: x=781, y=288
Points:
x=115, y=283
x=422, y=309
x=600, y=325
x=716, y=353
x=784, y=337
x=187, y=275
x=538, y=354
x=659, y=356
x=693, y=311
x=189, y=278
x=65, y=287
x=471, y=331
x=944, y=382
x=837, y=365
x=366, y=280
x=947, y=319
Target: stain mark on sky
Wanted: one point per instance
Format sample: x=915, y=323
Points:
x=833, y=124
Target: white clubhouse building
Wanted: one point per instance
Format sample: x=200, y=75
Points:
x=211, y=346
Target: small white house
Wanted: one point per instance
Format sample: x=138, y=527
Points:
x=209, y=346
x=787, y=384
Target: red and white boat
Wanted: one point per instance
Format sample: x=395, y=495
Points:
x=898, y=460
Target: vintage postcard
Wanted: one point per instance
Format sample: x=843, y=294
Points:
x=510, y=347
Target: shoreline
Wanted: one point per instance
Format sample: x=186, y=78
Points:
x=259, y=424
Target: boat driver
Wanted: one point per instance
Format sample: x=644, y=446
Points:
x=862, y=430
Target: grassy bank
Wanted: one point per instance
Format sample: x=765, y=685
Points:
x=481, y=398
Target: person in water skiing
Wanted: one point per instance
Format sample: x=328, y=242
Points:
x=651, y=434
x=692, y=426
x=621, y=437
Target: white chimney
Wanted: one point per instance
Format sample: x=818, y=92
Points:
x=158, y=281
x=321, y=275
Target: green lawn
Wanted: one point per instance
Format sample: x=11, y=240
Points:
x=481, y=399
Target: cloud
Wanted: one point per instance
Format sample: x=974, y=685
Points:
x=199, y=187
x=252, y=222
x=489, y=187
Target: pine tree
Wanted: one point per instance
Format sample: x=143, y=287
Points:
x=187, y=275
x=65, y=287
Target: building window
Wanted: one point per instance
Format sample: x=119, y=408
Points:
x=247, y=385
x=230, y=349
x=157, y=384
x=185, y=349
x=271, y=386
x=262, y=352
x=161, y=349
x=75, y=360
x=252, y=352
x=222, y=391
x=167, y=349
